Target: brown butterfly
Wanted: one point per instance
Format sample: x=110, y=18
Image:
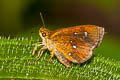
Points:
x=74, y=44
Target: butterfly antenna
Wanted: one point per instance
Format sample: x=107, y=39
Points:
x=42, y=20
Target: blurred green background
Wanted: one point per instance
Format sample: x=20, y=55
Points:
x=18, y=16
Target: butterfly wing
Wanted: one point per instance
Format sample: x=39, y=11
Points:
x=91, y=34
x=77, y=43
x=75, y=51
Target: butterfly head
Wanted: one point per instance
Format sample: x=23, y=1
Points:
x=43, y=32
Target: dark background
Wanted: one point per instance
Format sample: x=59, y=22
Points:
x=18, y=16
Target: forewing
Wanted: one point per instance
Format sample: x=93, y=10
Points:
x=90, y=34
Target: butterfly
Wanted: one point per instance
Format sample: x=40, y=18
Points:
x=73, y=44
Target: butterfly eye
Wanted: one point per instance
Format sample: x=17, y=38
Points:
x=43, y=34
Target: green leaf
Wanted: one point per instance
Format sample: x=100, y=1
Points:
x=16, y=62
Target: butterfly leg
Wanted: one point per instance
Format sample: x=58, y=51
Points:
x=52, y=55
x=62, y=59
x=35, y=48
x=40, y=52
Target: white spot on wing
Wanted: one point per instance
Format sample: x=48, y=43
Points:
x=71, y=41
x=70, y=54
x=75, y=33
x=86, y=34
x=74, y=46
